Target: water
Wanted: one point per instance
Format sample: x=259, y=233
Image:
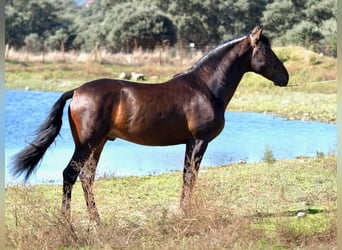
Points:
x=245, y=137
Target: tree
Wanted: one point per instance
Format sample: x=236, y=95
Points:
x=328, y=44
x=205, y=22
x=39, y=17
x=144, y=28
x=307, y=23
x=304, y=33
x=88, y=25
x=15, y=27
x=276, y=22
x=33, y=42
x=58, y=39
x=125, y=24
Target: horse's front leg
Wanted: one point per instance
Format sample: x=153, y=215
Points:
x=193, y=157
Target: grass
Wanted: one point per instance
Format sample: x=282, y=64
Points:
x=311, y=94
x=246, y=206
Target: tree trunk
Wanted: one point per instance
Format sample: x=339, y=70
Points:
x=63, y=51
x=7, y=51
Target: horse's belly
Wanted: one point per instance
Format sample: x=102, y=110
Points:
x=153, y=134
x=154, y=139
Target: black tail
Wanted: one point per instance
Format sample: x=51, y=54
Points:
x=27, y=160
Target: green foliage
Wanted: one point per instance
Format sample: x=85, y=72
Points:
x=125, y=24
x=15, y=29
x=143, y=27
x=34, y=21
x=313, y=60
x=268, y=156
x=33, y=42
x=57, y=40
x=307, y=23
x=209, y=22
x=320, y=154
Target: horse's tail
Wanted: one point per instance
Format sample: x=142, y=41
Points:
x=27, y=159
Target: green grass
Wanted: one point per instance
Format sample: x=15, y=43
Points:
x=240, y=206
x=292, y=105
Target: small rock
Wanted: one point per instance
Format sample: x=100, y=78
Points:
x=123, y=75
x=137, y=76
x=301, y=214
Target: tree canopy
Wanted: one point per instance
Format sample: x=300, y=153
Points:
x=126, y=24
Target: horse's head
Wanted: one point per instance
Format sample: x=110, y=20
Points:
x=264, y=61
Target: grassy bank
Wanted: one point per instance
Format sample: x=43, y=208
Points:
x=311, y=94
x=246, y=206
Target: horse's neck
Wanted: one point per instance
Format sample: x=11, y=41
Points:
x=223, y=72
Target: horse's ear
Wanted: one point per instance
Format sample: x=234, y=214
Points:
x=255, y=35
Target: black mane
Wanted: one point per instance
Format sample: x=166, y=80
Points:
x=212, y=53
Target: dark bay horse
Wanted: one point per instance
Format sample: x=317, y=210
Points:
x=188, y=109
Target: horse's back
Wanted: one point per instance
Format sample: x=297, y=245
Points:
x=141, y=113
x=151, y=114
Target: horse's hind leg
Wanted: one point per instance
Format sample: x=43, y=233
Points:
x=87, y=177
x=70, y=175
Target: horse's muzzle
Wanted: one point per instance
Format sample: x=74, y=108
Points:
x=282, y=79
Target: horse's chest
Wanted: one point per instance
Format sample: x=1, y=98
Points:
x=207, y=123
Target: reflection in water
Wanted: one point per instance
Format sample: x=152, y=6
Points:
x=245, y=137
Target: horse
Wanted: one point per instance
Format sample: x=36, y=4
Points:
x=187, y=109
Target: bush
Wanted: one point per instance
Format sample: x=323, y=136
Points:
x=268, y=156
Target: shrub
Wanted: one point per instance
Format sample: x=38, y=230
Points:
x=268, y=156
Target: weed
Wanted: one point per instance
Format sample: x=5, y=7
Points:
x=320, y=154
x=313, y=60
x=268, y=156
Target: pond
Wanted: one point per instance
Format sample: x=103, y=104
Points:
x=245, y=137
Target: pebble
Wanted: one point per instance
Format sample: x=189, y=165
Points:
x=301, y=214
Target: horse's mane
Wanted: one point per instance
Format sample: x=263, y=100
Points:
x=222, y=46
x=218, y=49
